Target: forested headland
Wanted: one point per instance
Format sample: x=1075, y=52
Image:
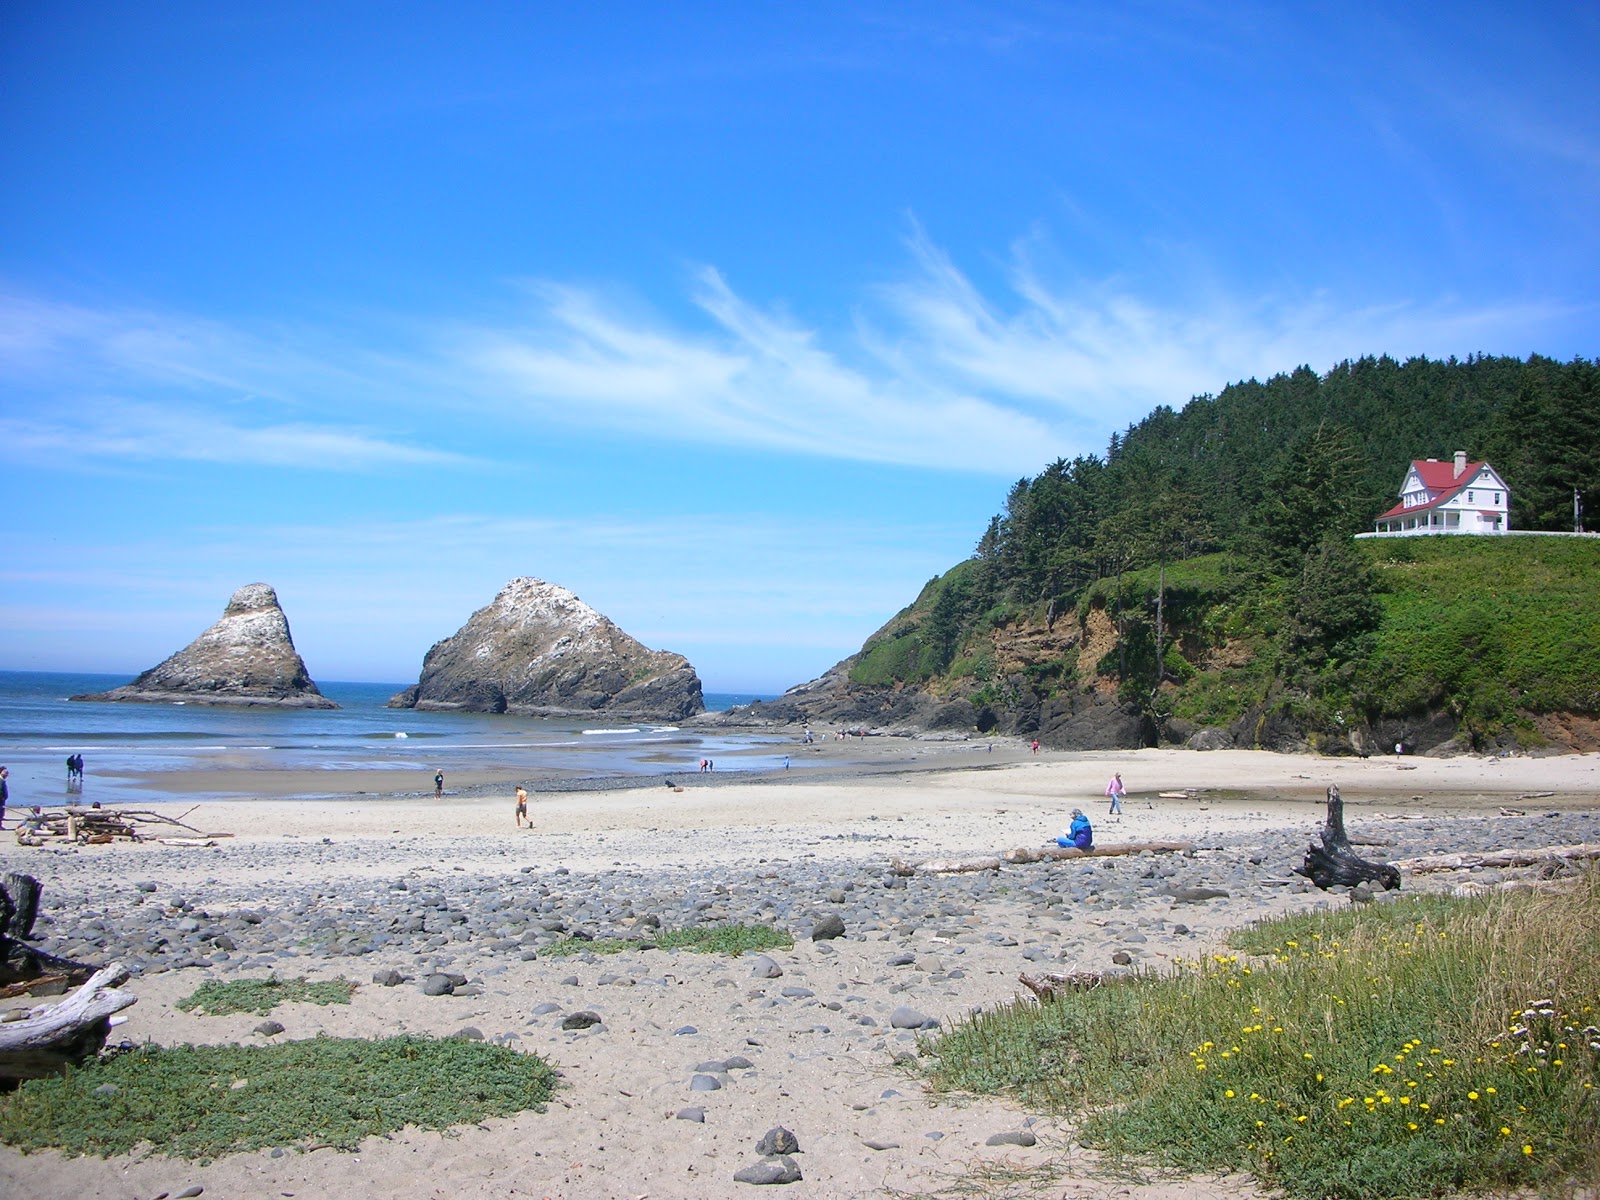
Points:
x=1200, y=580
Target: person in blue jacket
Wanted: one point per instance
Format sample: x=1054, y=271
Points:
x=1080, y=834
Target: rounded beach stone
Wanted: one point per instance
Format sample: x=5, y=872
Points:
x=269, y=1028
x=765, y=968
x=776, y=1170
x=705, y=1083
x=693, y=1113
x=1012, y=1137
x=585, y=1019
x=388, y=978
x=437, y=985
x=778, y=1140
x=906, y=1017
x=830, y=926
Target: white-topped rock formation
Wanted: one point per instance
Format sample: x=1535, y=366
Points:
x=246, y=658
x=537, y=648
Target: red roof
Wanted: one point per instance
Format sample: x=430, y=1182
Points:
x=1438, y=477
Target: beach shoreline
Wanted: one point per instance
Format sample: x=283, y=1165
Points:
x=403, y=887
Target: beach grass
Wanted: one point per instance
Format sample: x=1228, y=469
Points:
x=703, y=939
x=198, y=1102
x=222, y=998
x=1426, y=1045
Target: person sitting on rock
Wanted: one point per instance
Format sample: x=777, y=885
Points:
x=1080, y=834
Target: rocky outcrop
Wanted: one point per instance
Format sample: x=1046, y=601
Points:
x=246, y=658
x=537, y=648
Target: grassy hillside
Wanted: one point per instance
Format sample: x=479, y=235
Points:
x=1486, y=633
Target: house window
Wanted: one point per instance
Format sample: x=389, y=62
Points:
x=1470, y=500
x=1497, y=497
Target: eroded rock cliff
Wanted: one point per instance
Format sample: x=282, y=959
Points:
x=246, y=658
x=537, y=648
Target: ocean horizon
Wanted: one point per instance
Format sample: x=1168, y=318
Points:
x=128, y=747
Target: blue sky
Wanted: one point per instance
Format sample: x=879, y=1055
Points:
x=736, y=319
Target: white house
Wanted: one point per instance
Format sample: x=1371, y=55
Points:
x=1441, y=497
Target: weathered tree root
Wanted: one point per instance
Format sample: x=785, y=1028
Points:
x=1334, y=863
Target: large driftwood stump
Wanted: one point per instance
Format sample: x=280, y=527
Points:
x=1334, y=863
x=54, y=1036
x=21, y=965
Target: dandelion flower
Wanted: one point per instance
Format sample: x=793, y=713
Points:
x=1527, y=1149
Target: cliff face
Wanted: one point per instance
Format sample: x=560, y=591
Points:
x=246, y=658
x=537, y=648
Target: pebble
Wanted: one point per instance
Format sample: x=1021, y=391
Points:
x=269, y=1028
x=780, y=1170
x=585, y=1019
x=778, y=1140
x=705, y=1083
x=830, y=926
x=906, y=1017
x=695, y=1114
x=1012, y=1137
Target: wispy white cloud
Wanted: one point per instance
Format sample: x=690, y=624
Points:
x=750, y=378
x=139, y=432
x=1090, y=355
x=934, y=372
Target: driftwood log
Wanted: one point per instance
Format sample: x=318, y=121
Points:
x=1334, y=864
x=54, y=1036
x=1025, y=854
x=96, y=826
x=1581, y=852
x=1051, y=984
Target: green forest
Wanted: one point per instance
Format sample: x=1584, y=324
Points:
x=1216, y=541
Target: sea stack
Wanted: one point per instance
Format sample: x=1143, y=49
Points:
x=538, y=649
x=246, y=658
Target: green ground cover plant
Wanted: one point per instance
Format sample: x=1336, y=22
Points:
x=703, y=939
x=198, y=1102
x=222, y=998
x=1410, y=1048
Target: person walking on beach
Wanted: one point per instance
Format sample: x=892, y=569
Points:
x=522, y=806
x=1036, y=745
x=5, y=793
x=1116, y=791
x=438, y=785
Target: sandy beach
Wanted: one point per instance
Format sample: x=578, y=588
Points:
x=391, y=881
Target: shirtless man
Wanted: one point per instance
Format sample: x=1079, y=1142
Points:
x=522, y=806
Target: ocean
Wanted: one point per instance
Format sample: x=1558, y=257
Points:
x=128, y=748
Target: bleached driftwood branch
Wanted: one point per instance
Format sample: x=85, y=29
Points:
x=1498, y=858
x=1024, y=854
x=54, y=1035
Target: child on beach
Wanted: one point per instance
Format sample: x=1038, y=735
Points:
x=438, y=785
x=522, y=806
